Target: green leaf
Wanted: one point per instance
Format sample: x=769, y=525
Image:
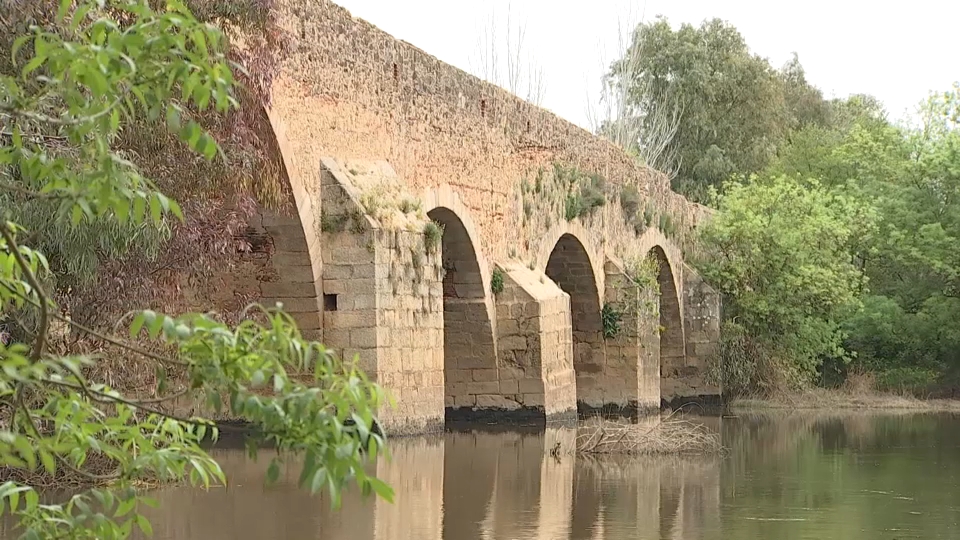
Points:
x=173, y=119
x=175, y=209
x=273, y=471
x=17, y=45
x=137, y=324
x=381, y=488
x=32, y=65
x=155, y=210
x=144, y=524
x=32, y=500
x=62, y=11
x=121, y=208
x=47, y=459
x=319, y=478
x=26, y=450
x=139, y=208
x=156, y=325
x=125, y=507
x=76, y=215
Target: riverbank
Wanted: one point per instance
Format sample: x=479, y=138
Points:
x=841, y=399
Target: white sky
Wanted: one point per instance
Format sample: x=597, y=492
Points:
x=896, y=53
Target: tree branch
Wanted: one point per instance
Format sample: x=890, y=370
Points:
x=104, y=337
x=40, y=342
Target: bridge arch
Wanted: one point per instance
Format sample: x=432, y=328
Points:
x=295, y=267
x=469, y=346
x=671, y=345
x=570, y=266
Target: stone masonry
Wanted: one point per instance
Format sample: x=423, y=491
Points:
x=412, y=185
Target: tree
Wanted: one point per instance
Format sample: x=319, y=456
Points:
x=646, y=133
x=732, y=109
x=781, y=253
x=505, y=63
x=911, y=175
x=97, y=70
x=731, y=103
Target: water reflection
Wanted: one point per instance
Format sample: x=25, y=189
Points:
x=464, y=485
x=795, y=477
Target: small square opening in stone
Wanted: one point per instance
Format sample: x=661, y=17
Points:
x=329, y=302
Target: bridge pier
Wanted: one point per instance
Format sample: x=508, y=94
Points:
x=535, y=347
x=382, y=300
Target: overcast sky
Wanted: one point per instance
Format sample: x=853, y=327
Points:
x=897, y=53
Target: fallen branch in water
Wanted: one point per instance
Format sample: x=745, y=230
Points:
x=666, y=437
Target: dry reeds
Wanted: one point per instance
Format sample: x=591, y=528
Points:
x=667, y=437
x=847, y=398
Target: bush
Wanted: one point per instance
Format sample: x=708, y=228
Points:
x=782, y=254
x=611, y=319
x=496, y=281
x=432, y=236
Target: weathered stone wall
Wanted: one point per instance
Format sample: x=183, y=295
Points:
x=619, y=380
x=535, y=345
x=498, y=174
x=702, y=327
x=383, y=295
x=344, y=88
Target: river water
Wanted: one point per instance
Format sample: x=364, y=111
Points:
x=824, y=477
x=788, y=477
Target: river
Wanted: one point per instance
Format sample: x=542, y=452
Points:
x=801, y=476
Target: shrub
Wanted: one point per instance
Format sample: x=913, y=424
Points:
x=432, y=236
x=496, y=281
x=611, y=318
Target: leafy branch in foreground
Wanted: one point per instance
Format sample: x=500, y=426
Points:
x=104, y=66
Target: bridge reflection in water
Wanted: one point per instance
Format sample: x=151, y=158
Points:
x=461, y=486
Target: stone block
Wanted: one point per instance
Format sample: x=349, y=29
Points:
x=485, y=387
x=363, y=338
x=357, y=319
x=473, y=362
x=513, y=343
x=508, y=327
x=465, y=401
x=488, y=401
x=307, y=321
x=458, y=375
x=337, y=272
x=533, y=400
x=509, y=387
x=296, y=273
x=531, y=386
x=360, y=301
x=704, y=350
x=485, y=375
x=671, y=352
x=290, y=242
x=335, y=336
x=296, y=305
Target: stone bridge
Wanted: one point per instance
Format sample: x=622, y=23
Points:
x=477, y=254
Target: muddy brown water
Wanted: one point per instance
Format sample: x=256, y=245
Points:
x=815, y=476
